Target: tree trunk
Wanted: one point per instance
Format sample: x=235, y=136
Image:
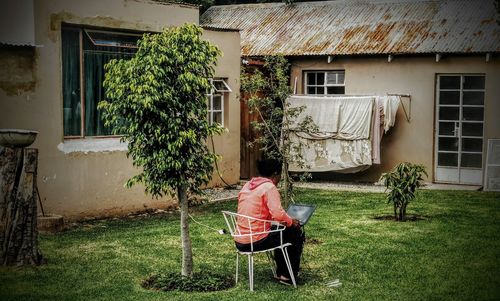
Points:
x=18, y=208
x=286, y=185
x=395, y=211
x=187, y=251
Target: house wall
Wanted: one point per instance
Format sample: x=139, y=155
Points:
x=228, y=144
x=85, y=177
x=408, y=141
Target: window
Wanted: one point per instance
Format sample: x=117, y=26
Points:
x=216, y=100
x=84, y=54
x=324, y=82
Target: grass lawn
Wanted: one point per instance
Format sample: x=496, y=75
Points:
x=453, y=253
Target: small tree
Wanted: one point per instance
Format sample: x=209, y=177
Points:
x=402, y=183
x=268, y=90
x=157, y=101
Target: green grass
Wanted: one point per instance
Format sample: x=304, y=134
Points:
x=452, y=254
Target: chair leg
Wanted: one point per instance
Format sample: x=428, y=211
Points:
x=250, y=271
x=273, y=263
x=289, y=265
x=237, y=266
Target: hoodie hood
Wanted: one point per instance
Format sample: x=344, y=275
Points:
x=256, y=182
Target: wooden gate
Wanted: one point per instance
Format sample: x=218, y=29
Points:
x=248, y=154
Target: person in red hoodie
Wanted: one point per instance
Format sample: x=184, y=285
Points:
x=260, y=198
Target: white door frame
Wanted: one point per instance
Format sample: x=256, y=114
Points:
x=458, y=174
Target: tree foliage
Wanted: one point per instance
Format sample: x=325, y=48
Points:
x=267, y=89
x=402, y=183
x=157, y=101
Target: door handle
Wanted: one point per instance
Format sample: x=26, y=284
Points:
x=457, y=129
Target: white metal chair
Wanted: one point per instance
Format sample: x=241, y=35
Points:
x=234, y=220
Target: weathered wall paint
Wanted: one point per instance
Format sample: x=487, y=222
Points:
x=18, y=70
x=228, y=144
x=90, y=182
x=408, y=141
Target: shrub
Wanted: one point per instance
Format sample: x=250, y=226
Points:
x=402, y=183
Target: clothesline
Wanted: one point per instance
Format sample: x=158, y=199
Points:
x=407, y=113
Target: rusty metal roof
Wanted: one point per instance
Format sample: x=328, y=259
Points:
x=346, y=27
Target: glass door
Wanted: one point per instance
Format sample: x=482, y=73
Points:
x=459, y=129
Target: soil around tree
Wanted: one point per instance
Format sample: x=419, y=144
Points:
x=199, y=282
x=408, y=218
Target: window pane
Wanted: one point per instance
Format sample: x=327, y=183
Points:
x=449, y=97
x=447, y=159
x=311, y=78
x=311, y=90
x=341, y=78
x=217, y=117
x=448, y=144
x=472, y=144
x=217, y=102
x=335, y=90
x=320, y=78
x=447, y=128
x=448, y=113
x=94, y=92
x=449, y=82
x=71, y=82
x=472, y=129
x=220, y=85
x=473, y=82
x=472, y=113
x=331, y=78
x=109, y=41
x=471, y=160
x=473, y=98
x=320, y=90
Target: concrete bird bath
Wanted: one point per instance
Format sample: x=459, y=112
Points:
x=16, y=138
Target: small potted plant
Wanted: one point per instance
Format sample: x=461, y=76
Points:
x=402, y=183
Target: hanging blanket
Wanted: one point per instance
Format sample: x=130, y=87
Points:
x=342, y=142
x=331, y=154
x=340, y=117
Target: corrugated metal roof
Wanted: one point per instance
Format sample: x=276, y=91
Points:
x=346, y=27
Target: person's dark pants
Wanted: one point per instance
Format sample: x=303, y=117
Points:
x=292, y=235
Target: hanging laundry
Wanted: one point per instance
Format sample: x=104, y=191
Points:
x=347, y=118
x=377, y=129
x=350, y=129
x=330, y=154
x=391, y=105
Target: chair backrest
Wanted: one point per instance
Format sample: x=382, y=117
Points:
x=246, y=226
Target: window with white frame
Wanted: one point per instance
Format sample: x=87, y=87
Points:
x=219, y=89
x=324, y=82
x=85, y=51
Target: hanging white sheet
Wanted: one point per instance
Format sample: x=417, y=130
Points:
x=341, y=117
x=350, y=131
x=331, y=154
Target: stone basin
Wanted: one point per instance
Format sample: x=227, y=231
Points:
x=17, y=138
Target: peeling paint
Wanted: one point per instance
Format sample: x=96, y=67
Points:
x=90, y=145
x=56, y=19
x=17, y=75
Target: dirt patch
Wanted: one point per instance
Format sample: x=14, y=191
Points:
x=408, y=218
x=313, y=241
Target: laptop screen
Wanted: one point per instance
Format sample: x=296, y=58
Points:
x=301, y=212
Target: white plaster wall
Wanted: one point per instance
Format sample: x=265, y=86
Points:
x=409, y=141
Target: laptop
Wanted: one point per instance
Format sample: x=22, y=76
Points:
x=302, y=212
